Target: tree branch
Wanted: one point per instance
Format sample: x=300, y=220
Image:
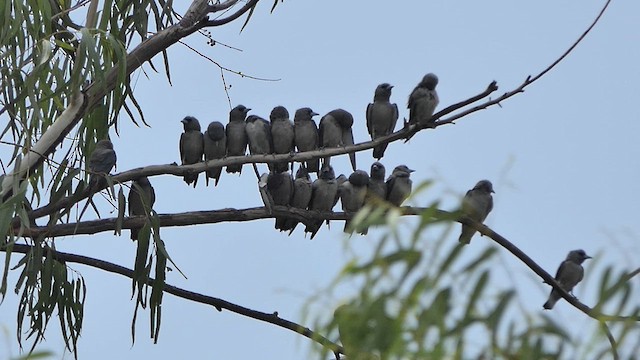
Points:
x=304, y=216
x=217, y=22
x=219, y=304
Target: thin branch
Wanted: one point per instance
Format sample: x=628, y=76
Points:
x=217, y=22
x=219, y=304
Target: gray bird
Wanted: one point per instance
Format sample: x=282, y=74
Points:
x=142, y=196
x=215, y=147
x=259, y=136
x=306, y=135
x=382, y=116
x=101, y=161
x=301, y=195
x=377, y=189
x=191, y=146
x=280, y=187
x=569, y=274
x=282, y=134
x=236, y=136
x=423, y=100
x=335, y=131
x=399, y=185
x=477, y=204
x=352, y=193
x=324, y=195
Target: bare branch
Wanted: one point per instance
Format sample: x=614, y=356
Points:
x=217, y=303
x=217, y=22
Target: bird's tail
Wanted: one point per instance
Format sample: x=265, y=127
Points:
x=191, y=178
x=378, y=151
x=553, y=299
x=234, y=169
x=466, y=235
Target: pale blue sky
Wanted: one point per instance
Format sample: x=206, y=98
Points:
x=563, y=157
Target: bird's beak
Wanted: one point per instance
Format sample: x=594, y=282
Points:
x=184, y=121
x=411, y=170
x=390, y=86
x=248, y=109
x=493, y=192
x=587, y=257
x=314, y=114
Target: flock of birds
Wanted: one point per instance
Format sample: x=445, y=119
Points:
x=278, y=187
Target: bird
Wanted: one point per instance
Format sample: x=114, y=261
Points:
x=101, y=161
x=377, y=188
x=423, y=100
x=477, y=204
x=191, y=146
x=215, y=147
x=301, y=195
x=306, y=135
x=352, y=193
x=280, y=187
x=324, y=196
x=259, y=136
x=142, y=196
x=399, y=185
x=569, y=274
x=236, y=136
x=282, y=134
x=335, y=131
x=382, y=117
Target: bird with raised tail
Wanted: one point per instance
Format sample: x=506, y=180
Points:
x=191, y=146
x=569, y=274
x=476, y=204
x=423, y=100
x=382, y=117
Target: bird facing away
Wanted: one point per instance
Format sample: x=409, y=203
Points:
x=335, y=131
x=477, y=204
x=259, y=135
x=236, y=136
x=382, y=117
x=569, y=274
x=142, y=196
x=306, y=135
x=191, y=146
x=283, y=135
x=324, y=196
x=301, y=195
x=352, y=193
x=280, y=187
x=423, y=100
x=215, y=147
x=399, y=185
x=100, y=162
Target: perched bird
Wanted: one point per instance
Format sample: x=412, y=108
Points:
x=306, y=135
x=335, y=131
x=236, y=135
x=191, y=146
x=423, y=100
x=382, y=116
x=101, y=161
x=280, y=187
x=569, y=274
x=352, y=193
x=477, y=204
x=301, y=195
x=283, y=135
x=324, y=196
x=141, y=200
x=399, y=185
x=215, y=147
x=259, y=135
x=377, y=189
